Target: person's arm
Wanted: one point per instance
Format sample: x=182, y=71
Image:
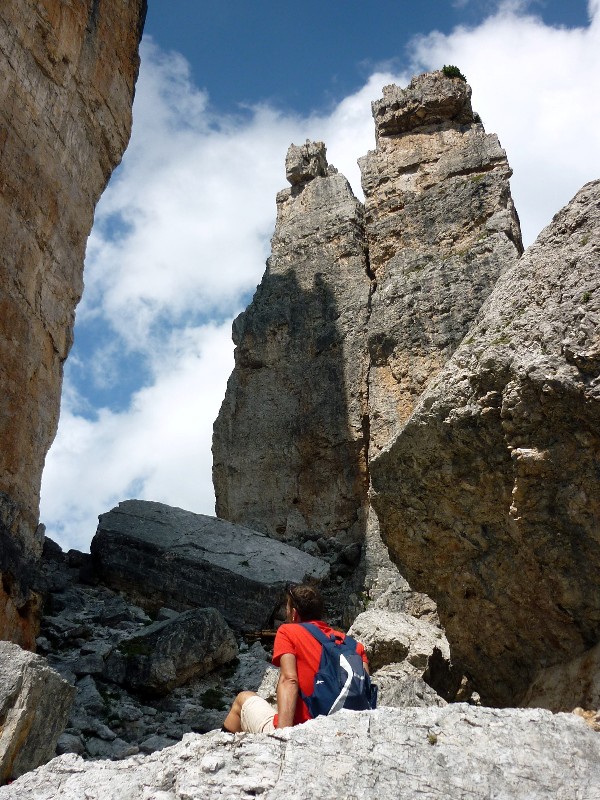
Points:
x=287, y=690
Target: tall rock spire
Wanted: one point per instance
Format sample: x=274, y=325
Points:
x=289, y=443
x=440, y=226
x=359, y=309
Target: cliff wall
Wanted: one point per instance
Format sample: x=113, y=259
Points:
x=67, y=80
x=359, y=308
x=488, y=498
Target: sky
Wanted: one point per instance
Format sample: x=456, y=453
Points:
x=182, y=232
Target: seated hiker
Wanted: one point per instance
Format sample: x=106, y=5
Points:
x=298, y=652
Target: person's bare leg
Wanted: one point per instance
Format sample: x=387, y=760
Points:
x=233, y=720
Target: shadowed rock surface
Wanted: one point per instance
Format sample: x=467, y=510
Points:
x=433, y=753
x=289, y=444
x=34, y=706
x=159, y=555
x=68, y=72
x=489, y=498
x=564, y=687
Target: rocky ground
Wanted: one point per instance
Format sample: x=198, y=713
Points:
x=82, y=629
x=431, y=753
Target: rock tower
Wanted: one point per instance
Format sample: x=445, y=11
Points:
x=359, y=308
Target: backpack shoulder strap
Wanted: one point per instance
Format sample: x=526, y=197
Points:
x=321, y=637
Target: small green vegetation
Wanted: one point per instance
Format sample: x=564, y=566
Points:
x=477, y=118
x=213, y=698
x=432, y=738
x=585, y=297
x=450, y=71
x=477, y=178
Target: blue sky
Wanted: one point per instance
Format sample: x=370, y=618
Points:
x=307, y=56
x=182, y=232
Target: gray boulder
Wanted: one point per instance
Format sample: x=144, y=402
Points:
x=489, y=497
x=402, y=686
x=170, y=653
x=404, y=651
x=392, y=636
x=34, y=706
x=431, y=753
x=164, y=556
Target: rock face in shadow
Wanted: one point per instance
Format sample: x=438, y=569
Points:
x=456, y=751
x=290, y=442
x=68, y=73
x=489, y=498
x=34, y=706
x=565, y=687
x=441, y=227
x=164, y=556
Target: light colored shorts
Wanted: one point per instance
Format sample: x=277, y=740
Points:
x=257, y=716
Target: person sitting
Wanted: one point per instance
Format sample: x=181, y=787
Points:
x=297, y=653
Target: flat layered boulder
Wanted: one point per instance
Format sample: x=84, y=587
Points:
x=164, y=556
x=431, y=753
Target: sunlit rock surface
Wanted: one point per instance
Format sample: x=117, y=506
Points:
x=489, y=497
x=66, y=89
x=430, y=753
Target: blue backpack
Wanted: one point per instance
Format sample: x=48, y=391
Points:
x=341, y=680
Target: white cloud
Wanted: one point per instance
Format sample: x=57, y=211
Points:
x=160, y=449
x=535, y=86
x=194, y=208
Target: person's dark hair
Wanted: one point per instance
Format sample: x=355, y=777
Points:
x=307, y=601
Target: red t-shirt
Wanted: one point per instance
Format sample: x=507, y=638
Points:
x=293, y=638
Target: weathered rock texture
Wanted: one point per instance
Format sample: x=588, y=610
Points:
x=290, y=440
x=489, y=498
x=34, y=706
x=159, y=555
x=172, y=652
x=432, y=753
x=340, y=340
x=565, y=687
x=440, y=226
x=66, y=88
x=391, y=637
